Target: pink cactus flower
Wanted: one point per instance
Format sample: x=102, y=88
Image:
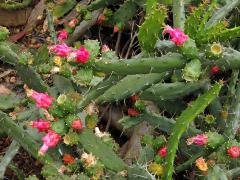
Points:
x=200, y=139
x=50, y=140
x=60, y=49
x=41, y=124
x=82, y=55
x=73, y=23
x=234, y=152
x=105, y=48
x=177, y=35
x=62, y=35
x=162, y=151
x=42, y=100
x=77, y=124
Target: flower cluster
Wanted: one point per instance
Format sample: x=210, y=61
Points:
x=51, y=138
x=80, y=55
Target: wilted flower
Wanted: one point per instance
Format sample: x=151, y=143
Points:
x=88, y=159
x=177, y=35
x=200, y=139
x=62, y=35
x=43, y=100
x=57, y=60
x=68, y=159
x=201, y=164
x=100, y=134
x=105, y=48
x=73, y=23
x=41, y=124
x=234, y=151
x=51, y=139
x=60, y=49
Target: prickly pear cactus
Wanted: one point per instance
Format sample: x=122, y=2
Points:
x=150, y=30
x=183, y=121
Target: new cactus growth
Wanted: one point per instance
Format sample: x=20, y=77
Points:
x=3, y=33
x=183, y=121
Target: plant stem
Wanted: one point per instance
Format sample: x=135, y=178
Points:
x=9, y=155
x=178, y=14
x=221, y=13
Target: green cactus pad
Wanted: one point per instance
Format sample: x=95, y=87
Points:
x=161, y=64
x=93, y=144
x=150, y=30
x=192, y=70
x=183, y=121
x=126, y=87
x=59, y=127
x=3, y=33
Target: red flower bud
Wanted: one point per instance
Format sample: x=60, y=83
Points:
x=101, y=19
x=133, y=112
x=215, y=69
x=162, y=151
x=234, y=151
x=134, y=98
x=115, y=29
x=77, y=124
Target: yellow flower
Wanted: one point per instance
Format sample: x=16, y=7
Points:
x=156, y=169
x=216, y=48
x=201, y=164
x=58, y=61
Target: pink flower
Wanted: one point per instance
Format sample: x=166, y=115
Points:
x=162, y=151
x=200, y=139
x=177, y=35
x=82, y=55
x=51, y=139
x=234, y=151
x=60, y=49
x=41, y=124
x=77, y=124
x=73, y=23
x=105, y=48
x=62, y=35
x=43, y=100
